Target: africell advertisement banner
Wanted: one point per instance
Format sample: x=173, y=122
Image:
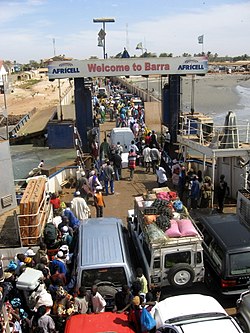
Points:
x=127, y=67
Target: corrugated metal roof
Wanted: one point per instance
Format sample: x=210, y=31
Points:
x=101, y=239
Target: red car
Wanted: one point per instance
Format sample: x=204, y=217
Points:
x=101, y=322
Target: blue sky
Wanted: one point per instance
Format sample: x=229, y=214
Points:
x=28, y=27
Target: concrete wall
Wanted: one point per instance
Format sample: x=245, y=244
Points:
x=7, y=188
x=147, y=97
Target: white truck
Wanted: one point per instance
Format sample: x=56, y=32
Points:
x=166, y=261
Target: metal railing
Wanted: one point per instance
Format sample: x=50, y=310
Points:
x=40, y=216
x=215, y=136
x=21, y=123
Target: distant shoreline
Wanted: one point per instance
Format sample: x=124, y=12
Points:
x=214, y=93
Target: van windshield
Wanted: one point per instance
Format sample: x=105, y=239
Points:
x=114, y=275
x=240, y=263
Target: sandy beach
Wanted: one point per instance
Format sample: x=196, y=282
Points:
x=216, y=94
x=42, y=95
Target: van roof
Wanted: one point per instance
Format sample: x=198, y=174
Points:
x=121, y=129
x=228, y=228
x=102, y=241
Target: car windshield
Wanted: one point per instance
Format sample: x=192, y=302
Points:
x=114, y=275
x=196, y=316
x=240, y=263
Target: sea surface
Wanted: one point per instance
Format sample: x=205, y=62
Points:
x=26, y=157
x=242, y=112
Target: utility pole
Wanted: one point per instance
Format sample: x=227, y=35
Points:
x=59, y=84
x=54, y=46
x=5, y=109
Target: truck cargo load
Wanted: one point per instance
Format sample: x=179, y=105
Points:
x=167, y=240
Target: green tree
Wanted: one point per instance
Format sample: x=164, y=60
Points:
x=34, y=64
x=162, y=55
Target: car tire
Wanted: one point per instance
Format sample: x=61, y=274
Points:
x=181, y=276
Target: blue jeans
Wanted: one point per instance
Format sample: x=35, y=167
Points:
x=106, y=184
x=117, y=173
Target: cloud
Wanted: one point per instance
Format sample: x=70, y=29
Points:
x=225, y=28
x=12, y=10
x=28, y=28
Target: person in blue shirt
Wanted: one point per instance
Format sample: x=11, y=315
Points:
x=195, y=192
x=73, y=221
x=59, y=263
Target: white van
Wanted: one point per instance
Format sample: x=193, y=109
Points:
x=124, y=135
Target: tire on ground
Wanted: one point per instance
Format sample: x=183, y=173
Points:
x=181, y=276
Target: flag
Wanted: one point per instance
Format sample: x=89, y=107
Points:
x=139, y=46
x=200, y=39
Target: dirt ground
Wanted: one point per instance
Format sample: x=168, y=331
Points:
x=118, y=204
x=41, y=95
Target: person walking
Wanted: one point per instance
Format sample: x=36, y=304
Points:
x=99, y=202
x=102, y=113
x=82, y=185
x=182, y=185
x=133, y=146
x=222, y=191
x=93, y=181
x=195, y=192
x=206, y=192
x=108, y=177
x=119, y=148
x=79, y=207
x=161, y=176
x=176, y=169
x=104, y=150
x=155, y=157
x=117, y=163
x=146, y=158
x=131, y=163
x=153, y=140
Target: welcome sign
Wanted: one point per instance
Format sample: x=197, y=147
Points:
x=127, y=67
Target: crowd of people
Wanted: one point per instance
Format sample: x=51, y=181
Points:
x=55, y=299
x=145, y=150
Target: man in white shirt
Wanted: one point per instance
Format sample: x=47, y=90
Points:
x=97, y=301
x=133, y=146
x=161, y=176
x=79, y=207
x=146, y=158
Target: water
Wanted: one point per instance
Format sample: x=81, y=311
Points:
x=26, y=157
x=242, y=111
